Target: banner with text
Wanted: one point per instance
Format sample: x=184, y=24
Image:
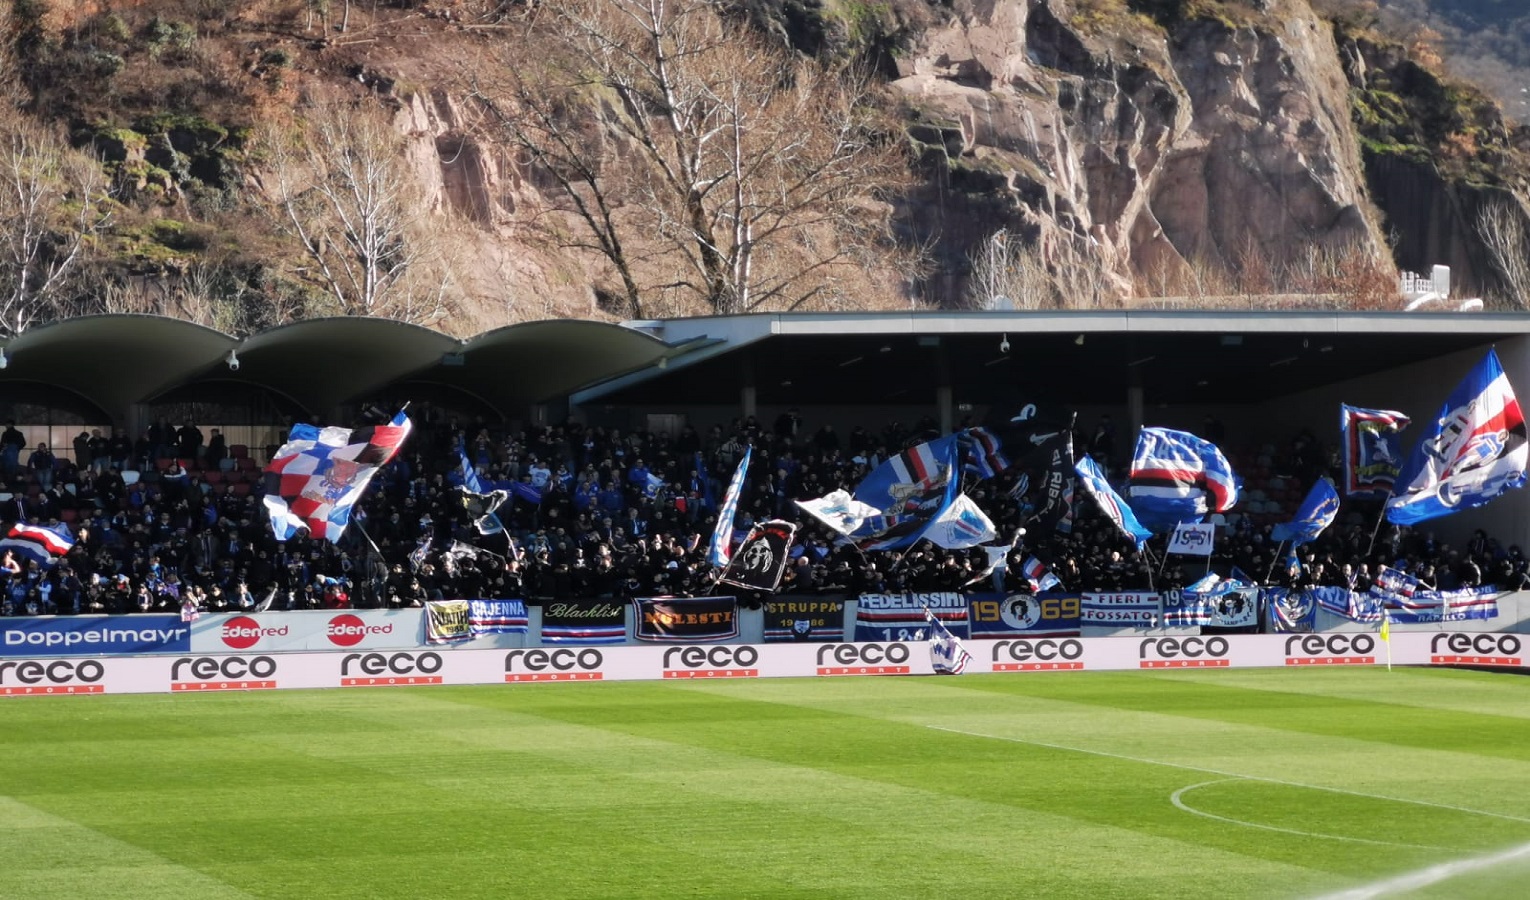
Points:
x=497, y=617
x=584, y=622
x=361, y=629
x=1120, y=609
x=1050, y=614
x=93, y=635
x=900, y=617
x=446, y=622
x=686, y=619
x=804, y=618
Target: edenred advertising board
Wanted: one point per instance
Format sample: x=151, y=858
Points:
x=282, y=632
x=261, y=668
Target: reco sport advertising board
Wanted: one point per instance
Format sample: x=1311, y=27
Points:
x=361, y=667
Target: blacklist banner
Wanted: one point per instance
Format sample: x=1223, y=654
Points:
x=684, y=620
x=94, y=635
x=447, y=622
x=1049, y=614
x=790, y=619
x=584, y=622
x=900, y=617
x=760, y=560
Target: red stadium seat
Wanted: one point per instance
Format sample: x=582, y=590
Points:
x=240, y=490
x=239, y=451
x=68, y=515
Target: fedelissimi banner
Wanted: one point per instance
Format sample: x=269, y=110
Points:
x=94, y=635
x=900, y=616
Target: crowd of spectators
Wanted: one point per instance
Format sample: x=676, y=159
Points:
x=176, y=516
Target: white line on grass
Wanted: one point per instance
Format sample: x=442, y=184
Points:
x=1267, y=780
x=1176, y=799
x=1435, y=874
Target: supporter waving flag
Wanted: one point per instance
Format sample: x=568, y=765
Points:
x=1177, y=477
x=479, y=504
x=909, y=490
x=44, y=545
x=318, y=475
x=1475, y=450
x=721, y=549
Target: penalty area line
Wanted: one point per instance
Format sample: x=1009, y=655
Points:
x=1434, y=874
x=1227, y=774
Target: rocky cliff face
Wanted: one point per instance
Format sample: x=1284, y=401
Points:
x=1160, y=149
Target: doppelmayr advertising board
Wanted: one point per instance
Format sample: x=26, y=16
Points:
x=93, y=635
x=279, y=632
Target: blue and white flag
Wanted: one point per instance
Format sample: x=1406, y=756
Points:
x=947, y=655
x=1316, y=513
x=1395, y=582
x=1177, y=477
x=720, y=551
x=838, y=510
x=1291, y=612
x=960, y=526
x=1372, y=449
x=1093, y=480
x=1475, y=450
x=1213, y=602
x=1193, y=539
x=982, y=453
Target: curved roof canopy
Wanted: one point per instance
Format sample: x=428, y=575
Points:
x=116, y=361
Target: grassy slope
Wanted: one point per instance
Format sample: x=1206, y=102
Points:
x=789, y=788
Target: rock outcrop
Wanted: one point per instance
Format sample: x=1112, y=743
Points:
x=1158, y=147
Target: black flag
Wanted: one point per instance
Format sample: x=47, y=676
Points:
x=760, y=560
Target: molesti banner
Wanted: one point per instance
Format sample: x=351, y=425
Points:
x=686, y=619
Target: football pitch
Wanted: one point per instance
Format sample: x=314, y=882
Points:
x=1245, y=783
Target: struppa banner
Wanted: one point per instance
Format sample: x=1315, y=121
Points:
x=94, y=635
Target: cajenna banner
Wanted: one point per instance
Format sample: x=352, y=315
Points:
x=584, y=622
x=686, y=620
x=807, y=618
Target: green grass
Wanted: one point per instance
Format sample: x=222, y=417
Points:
x=1290, y=784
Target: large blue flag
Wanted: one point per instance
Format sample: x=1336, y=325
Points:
x=1177, y=477
x=1372, y=449
x=909, y=490
x=1094, y=481
x=1317, y=512
x=720, y=551
x=1474, y=451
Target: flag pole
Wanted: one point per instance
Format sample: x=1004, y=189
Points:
x=1276, y=558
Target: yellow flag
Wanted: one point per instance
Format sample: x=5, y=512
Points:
x=1386, y=628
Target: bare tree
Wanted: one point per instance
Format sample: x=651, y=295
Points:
x=1501, y=226
x=1005, y=267
x=705, y=165
x=343, y=190
x=51, y=203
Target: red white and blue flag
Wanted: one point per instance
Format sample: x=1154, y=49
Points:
x=720, y=551
x=320, y=473
x=1178, y=477
x=1475, y=450
x=1039, y=576
x=1372, y=449
x=44, y=545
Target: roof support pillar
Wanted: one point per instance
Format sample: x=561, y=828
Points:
x=748, y=394
x=1134, y=405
